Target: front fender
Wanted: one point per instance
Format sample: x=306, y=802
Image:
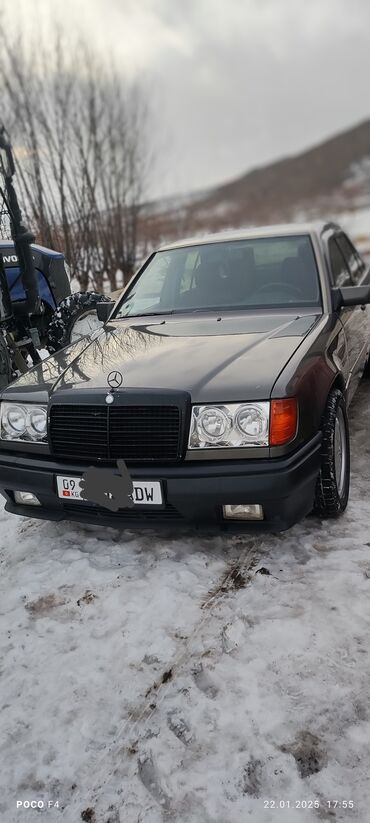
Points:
x=317, y=365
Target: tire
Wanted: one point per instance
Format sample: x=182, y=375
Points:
x=332, y=488
x=366, y=372
x=62, y=327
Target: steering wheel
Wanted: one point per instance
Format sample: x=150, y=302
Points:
x=293, y=290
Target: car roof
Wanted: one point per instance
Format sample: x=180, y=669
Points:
x=282, y=230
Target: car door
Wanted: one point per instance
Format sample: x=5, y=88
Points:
x=340, y=276
x=345, y=269
x=360, y=323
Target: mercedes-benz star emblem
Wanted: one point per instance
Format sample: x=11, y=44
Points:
x=115, y=379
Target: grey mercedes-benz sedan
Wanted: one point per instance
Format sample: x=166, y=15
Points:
x=219, y=383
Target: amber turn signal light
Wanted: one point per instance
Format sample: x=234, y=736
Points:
x=283, y=421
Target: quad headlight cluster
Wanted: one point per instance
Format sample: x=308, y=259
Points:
x=230, y=425
x=26, y=422
x=226, y=425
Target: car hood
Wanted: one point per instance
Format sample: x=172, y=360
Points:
x=215, y=358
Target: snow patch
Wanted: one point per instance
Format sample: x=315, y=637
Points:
x=139, y=684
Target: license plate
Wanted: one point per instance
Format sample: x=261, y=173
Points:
x=148, y=493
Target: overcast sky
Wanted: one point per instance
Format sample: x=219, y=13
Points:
x=233, y=83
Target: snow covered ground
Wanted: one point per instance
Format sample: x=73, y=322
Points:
x=149, y=678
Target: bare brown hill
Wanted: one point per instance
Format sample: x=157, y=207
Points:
x=324, y=180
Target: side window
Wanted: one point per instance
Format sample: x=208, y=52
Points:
x=353, y=259
x=341, y=275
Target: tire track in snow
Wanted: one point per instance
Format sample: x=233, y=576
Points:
x=237, y=573
x=236, y=576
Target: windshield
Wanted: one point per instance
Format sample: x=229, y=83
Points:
x=269, y=272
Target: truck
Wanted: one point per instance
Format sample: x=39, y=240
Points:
x=38, y=311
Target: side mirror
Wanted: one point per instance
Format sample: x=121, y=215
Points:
x=350, y=296
x=104, y=310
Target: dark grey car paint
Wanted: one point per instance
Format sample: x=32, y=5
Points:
x=217, y=357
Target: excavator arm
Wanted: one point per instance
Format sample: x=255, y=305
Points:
x=21, y=236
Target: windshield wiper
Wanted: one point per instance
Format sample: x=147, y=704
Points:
x=145, y=314
x=189, y=310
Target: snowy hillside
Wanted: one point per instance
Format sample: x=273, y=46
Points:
x=330, y=179
x=149, y=677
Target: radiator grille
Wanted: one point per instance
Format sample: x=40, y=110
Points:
x=133, y=432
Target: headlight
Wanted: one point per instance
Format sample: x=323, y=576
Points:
x=230, y=426
x=213, y=423
x=13, y=421
x=37, y=422
x=252, y=421
x=25, y=422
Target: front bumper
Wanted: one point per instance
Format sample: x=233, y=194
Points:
x=193, y=492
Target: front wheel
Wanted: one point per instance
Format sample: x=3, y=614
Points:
x=74, y=318
x=332, y=488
